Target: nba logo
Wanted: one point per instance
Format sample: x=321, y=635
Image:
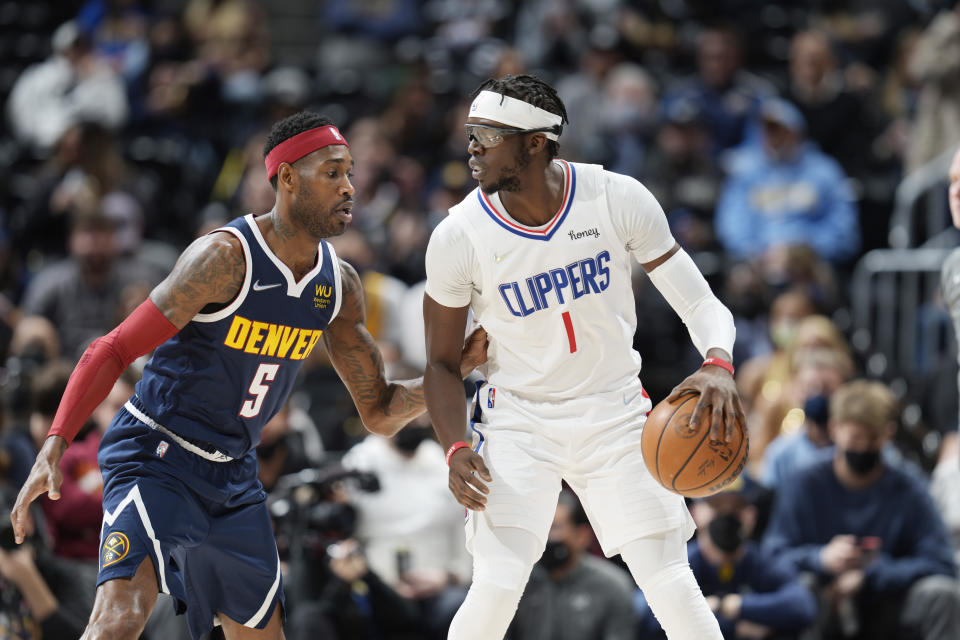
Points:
x=336, y=134
x=491, y=397
x=162, y=448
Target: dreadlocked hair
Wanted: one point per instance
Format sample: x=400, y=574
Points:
x=289, y=127
x=534, y=91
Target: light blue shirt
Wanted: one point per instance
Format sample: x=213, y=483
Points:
x=806, y=200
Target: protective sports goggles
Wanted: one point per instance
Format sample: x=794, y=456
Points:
x=487, y=136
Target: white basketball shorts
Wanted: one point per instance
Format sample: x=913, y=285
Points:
x=592, y=442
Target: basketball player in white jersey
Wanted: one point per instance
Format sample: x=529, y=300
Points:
x=542, y=253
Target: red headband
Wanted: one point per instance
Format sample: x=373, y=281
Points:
x=292, y=149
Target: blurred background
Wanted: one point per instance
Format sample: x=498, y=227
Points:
x=799, y=149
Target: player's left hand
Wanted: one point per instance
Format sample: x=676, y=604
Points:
x=718, y=398
x=466, y=479
x=474, y=351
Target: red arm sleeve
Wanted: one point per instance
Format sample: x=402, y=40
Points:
x=103, y=362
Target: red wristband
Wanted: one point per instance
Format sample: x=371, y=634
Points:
x=719, y=362
x=454, y=447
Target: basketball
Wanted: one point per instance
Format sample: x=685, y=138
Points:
x=681, y=456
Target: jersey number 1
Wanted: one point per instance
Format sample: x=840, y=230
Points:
x=568, y=323
x=258, y=389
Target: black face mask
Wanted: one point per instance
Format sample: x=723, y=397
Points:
x=408, y=439
x=726, y=531
x=862, y=462
x=556, y=555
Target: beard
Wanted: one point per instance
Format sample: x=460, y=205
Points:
x=509, y=177
x=310, y=215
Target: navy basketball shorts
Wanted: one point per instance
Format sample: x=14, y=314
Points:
x=204, y=524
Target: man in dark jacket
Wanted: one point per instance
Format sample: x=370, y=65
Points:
x=869, y=532
x=752, y=595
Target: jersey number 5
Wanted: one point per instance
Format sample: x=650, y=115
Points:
x=258, y=389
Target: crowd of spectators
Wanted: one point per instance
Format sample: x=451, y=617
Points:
x=773, y=133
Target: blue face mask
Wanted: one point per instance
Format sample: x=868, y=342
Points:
x=817, y=409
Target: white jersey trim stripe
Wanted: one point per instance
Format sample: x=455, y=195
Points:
x=264, y=608
x=338, y=290
x=244, y=289
x=109, y=518
x=294, y=288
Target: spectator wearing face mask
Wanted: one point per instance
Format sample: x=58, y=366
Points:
x=412, y=528
x=627, y=115
x=573, y=595
x=790, y=452
x=752, y=595
x=868, y=531
x=816, y=366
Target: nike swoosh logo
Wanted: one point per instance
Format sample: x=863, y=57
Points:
x=262, y=287
x=499, y=257
x=631, y=398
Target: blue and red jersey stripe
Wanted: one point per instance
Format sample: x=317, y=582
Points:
x=545, y=233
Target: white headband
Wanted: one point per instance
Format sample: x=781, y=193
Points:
x=513, y=112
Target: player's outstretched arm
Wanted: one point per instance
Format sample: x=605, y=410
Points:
x=211, y=270
x=384, y=406
x=445, y=400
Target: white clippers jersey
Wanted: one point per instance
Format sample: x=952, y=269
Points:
x=556, y=300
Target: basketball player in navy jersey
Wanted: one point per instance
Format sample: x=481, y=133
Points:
x=542, y=253
x=242, y=309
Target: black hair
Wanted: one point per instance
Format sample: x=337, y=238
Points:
x=534, y=91
x=577, y=514
x=289, y=127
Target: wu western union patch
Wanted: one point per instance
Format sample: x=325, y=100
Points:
x=115, y=548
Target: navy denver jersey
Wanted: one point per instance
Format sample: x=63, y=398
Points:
x=226, y=373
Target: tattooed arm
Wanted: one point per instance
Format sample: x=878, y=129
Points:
x=384, y=406
x=211, y=270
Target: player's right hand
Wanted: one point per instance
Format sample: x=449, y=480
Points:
x=45, y=477
x=466, y=472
